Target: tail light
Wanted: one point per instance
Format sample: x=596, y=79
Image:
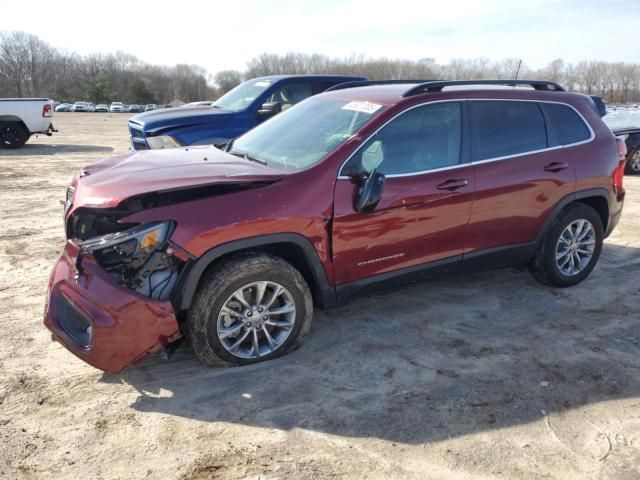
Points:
x=47, y=111
x=618, y=173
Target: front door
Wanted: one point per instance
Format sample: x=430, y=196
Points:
x=424, y=210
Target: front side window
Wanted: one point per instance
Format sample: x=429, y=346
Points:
x=421, y=139
x=242, y=96
x=504, y=128
x=306, y=133
x=290, y=94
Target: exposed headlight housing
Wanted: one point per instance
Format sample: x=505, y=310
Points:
x=125, y=252
x=136, y=258
x=163, y=141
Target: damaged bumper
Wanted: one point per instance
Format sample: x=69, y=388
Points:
x=105, y=324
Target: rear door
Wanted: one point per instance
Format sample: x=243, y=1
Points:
x=424, y=210
x=521, y=172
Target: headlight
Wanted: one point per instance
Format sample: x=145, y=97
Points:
x=163, y=141
x=128, y=250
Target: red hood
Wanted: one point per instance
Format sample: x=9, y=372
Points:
x=108, y=182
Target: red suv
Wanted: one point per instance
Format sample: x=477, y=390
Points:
x=369, y=186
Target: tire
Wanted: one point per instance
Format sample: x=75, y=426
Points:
x=13, y=135
x=632, y=167
x=206, y=317
x=546, y=269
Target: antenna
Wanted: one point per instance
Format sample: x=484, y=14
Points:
x=518, y=70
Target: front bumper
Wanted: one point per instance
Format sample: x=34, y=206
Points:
x=105, y=324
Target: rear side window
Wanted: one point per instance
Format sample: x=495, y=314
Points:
x=503, y=128
x=567, y=124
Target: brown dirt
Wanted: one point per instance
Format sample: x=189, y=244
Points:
x=483, y=376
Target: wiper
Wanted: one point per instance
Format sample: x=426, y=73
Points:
x=248, y=157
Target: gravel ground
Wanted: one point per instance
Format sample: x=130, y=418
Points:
x=488, y=375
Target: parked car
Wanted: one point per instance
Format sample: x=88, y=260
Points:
x=234, y=113
x=151, y=106
x=81, y=107
x=64, y=107
x=118, y=107
x=631, y=136
x=347, y=193
x=102, y=107
x=136, y=108
x=22, y=117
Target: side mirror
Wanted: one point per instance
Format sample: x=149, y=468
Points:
x=369, y=192
x=269, y=109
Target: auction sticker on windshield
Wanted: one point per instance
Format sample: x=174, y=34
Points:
x=365, y=107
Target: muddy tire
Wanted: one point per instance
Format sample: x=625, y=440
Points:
x=632, y=167
x=571, y=247
x=13, y=135
x=257, y=300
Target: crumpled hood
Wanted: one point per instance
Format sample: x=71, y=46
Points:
x=155, y=121
x=108, y=182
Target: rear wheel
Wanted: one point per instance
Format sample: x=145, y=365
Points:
x=633, y=162
x=13, y=135
x=250, y=309
x=571, y=247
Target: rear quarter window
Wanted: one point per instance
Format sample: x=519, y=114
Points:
x=567, y=124
x=504, y=128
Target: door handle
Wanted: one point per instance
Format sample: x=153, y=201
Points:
x=453, y=184
x=556, y=166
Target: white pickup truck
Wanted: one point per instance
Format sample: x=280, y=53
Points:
x=22, y=117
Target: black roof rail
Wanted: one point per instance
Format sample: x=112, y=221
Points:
x=366, y=83
x=437, y=86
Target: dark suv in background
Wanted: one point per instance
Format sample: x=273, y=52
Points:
x=362, y=188
x=231, y=115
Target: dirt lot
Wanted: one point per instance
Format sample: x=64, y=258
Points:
x=483, y=376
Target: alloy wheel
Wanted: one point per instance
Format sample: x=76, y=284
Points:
x=256, y=319
x=575, y=247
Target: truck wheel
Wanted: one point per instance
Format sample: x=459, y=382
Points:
x=633, y=162
x=249, y=309
x=571, y=247
x=13, y=135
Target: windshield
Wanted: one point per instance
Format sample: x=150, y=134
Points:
x=241, y=97
x=305, y=133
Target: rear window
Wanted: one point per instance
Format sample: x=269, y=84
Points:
x=567, y=124
x=504, y=128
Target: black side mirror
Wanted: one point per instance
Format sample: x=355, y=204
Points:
x=369, y=192
x=269, y=109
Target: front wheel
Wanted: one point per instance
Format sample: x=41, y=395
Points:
x=633, y=162
x=249, y=309
x=13, y=135
x=571, y=247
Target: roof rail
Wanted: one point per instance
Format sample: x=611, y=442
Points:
x=437, y=86
x=366, y=83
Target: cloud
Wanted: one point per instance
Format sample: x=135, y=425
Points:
x=222, y=35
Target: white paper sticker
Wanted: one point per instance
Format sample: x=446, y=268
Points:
x=365, y=107
x=262, y=83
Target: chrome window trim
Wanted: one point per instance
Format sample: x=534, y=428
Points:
x=477, y=162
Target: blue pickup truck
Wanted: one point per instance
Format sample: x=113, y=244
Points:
x=231, y=115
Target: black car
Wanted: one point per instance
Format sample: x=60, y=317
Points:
x=632, y=140
x=136, y=108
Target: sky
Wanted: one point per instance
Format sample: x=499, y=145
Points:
x=221, y=35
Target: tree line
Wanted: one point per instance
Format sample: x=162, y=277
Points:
x=29, y=67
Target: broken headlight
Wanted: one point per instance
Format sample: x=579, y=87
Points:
x=135, y=258
x=134, y=245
